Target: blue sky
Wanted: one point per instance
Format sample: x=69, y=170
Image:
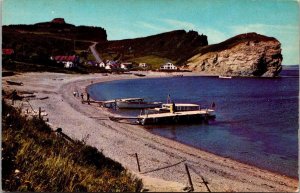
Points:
x=218, y=19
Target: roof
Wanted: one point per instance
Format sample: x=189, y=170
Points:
x=7, y=51
x=65, y=58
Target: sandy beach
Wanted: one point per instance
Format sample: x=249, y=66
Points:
x=162, y=160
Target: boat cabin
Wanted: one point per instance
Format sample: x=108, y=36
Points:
x=179, y=107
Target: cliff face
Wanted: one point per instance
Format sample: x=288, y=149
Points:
x=243, y=55
x=177, y=45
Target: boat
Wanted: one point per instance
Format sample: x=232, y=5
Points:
x=136, y=103
x=14, y=83
x=137, y=74
x=178, y=107
x=226, y=77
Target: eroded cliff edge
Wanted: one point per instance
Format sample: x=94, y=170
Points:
x=248, y=54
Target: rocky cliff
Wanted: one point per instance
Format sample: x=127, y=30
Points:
x=248, y=54
x=177, y=45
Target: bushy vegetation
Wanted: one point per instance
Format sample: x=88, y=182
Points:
x=34, y=158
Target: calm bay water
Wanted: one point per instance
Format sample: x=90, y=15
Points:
x=256, y=123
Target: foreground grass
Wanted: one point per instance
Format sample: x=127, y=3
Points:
x=34, y=158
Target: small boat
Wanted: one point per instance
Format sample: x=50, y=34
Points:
x=136, y=103
x=226, y=77
x=136, y=74
x=14, y=83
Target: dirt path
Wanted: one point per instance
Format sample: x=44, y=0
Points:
x=95, y=53
x=162, y=160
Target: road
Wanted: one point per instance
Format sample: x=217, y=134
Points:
x=95, y=53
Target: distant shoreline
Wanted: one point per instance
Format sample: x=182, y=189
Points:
x=120, y=141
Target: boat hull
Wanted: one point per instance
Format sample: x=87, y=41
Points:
x=176, y=118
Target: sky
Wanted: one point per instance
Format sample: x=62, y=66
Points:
x=122, y=19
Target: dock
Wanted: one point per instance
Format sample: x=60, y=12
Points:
x=176, y=117
x=186, y=117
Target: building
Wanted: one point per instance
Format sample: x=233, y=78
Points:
x=7, y=51
x=102, y=65
x=68, y=61
x=168, y=66
x=126, y=65
x=143, y=65
x=58, y=20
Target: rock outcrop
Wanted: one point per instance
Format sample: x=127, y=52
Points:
x=248, y=54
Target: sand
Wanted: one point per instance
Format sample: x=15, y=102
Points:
x=162, y=160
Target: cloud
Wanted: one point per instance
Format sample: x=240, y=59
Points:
x=179, y=24
x=264, y=28
x=121, y=33
x=151, y=26
x=214, y=36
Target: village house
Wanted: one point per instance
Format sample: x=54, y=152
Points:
x=143, y=65
x=126, y=65
x=111, y=65
x=68, y=61
x=102, y=65
x=168, y=66
x=7, y=51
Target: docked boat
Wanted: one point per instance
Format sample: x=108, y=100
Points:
x=178, y=107
x=136, y=103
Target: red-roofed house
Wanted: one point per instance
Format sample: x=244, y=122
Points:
x=7, y=51
x=68, y=61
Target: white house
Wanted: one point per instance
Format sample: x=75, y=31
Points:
x=125, y=65
x=168, y=66
x=102, y=64
x=108, y=67
x=68, y=61
x=143, y=65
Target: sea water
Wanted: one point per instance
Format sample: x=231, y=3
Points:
x=256, y=118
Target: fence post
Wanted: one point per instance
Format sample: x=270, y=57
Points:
x=205, y=183
x=189, y=176
x=137, y=160
x=40, y=110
